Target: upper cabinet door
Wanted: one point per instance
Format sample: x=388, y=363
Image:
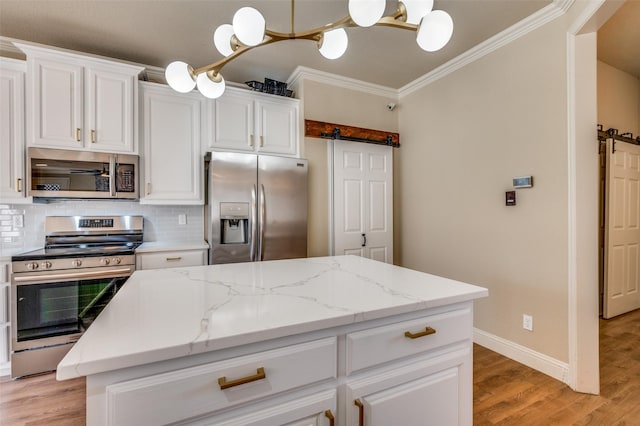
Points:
x=245, y=121
x=12, y=179
x=109, y=120
x=172, y=130
x=277, y=126
x=233, y=122
x=55, y=104
x=80, y=102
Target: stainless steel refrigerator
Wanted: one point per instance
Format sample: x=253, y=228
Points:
x=256, y=207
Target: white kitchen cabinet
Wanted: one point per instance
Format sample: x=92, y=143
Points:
x=430, y=391
x=161, y=398
x=315, y=410
x=173, y=125
x=80, y=102
x=12, y=128
x=161, y=255
x=409, y=370
x=5, y=317
x=255, y=122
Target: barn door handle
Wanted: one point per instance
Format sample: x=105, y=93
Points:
x=364, y=240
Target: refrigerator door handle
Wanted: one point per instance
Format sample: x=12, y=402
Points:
x=263, y=221
x=254, y=228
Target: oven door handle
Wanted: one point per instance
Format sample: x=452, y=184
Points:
x=74, y=275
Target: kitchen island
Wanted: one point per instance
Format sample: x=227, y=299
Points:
x=321, y=341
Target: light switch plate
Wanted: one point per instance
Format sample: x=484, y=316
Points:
x=182, y=219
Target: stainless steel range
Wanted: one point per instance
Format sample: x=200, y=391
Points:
x=57, y=291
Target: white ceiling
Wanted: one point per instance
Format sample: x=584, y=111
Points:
x=156, y=32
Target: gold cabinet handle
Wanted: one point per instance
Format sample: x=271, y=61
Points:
x=170, y=259
x=332, y=420
x=148, y=188
x=77, y=134
x=250, y=140
x=93, y=136
x=360, y=406
x=261, y=141
x=427, y=331
x=224, y=384
x=19, y=184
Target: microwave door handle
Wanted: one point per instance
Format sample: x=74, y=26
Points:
x=112, y=175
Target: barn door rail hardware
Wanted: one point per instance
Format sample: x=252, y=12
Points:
x=613, y=134
x=318, y=129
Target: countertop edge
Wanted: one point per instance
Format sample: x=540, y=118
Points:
x=71, y=371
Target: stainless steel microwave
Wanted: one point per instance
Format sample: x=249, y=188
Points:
x=57, y=173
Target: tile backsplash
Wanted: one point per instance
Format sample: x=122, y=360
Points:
x=22, y=226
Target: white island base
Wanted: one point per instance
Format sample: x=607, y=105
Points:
x=318, y=341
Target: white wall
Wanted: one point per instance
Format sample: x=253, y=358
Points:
x=618, y=99
x=465, y=137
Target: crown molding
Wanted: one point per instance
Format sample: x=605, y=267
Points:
x=6, y=45
x=304, y=73
x=519, y=29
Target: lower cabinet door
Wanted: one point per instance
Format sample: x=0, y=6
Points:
x=315, y=410
x=430, y=392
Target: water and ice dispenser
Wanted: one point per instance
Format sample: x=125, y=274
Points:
x=234, y=223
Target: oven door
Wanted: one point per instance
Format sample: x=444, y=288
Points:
x=52, y=308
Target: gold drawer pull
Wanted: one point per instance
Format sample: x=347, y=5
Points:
x=260, y=374
x=93, y=136
x=427, y=331
x=77, y=134
x=19, y=184
x=332, y=420
x=170, y=259
x=360, y=406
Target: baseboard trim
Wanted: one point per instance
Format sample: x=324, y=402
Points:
x=545, y=364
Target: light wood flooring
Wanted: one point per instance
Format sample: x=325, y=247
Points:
x=505, y=392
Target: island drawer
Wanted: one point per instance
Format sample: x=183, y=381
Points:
x=382, y=344
x=195, y=391
x=170, y=259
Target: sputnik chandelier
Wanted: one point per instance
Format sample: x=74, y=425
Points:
x=248, y=31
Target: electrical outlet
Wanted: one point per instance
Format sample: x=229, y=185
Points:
x=527, y=322
x=18, y=221
x=182, y=219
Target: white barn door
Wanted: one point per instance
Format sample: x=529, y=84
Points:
x=363, y=200
x=622, y=230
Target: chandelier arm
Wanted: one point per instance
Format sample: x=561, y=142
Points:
x=394, y=20
x=217, y=66
x=389, y=21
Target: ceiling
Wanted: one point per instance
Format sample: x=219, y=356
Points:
x=157, y=32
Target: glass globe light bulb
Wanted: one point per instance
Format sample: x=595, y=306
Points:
x=249, y=26
x=416, y=9
x=211, y=87
x=179, y=76
x=365, y=13
x=435, y=31
x=333, y=43
x=222, y=39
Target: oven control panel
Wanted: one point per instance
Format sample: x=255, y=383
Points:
x=95, y=223
x=72, y=263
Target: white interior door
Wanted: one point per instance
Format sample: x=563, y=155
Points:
x=622, y=229
x=363, y=200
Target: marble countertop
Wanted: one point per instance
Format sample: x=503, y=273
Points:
x=169, y=313
x=154, y=246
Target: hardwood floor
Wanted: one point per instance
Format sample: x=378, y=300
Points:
x=505, y=392
x=508, y=393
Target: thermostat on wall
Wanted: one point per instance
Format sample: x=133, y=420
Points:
x=523, y=182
